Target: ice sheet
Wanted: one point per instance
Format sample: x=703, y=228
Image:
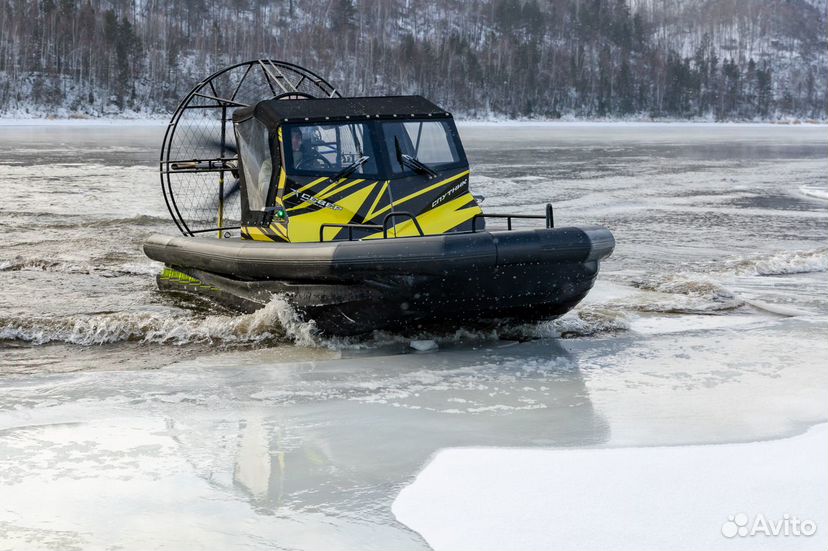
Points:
x=261, y=449
x=621, y=499
x=136, y=419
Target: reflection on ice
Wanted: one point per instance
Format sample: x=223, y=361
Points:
x=270, y=454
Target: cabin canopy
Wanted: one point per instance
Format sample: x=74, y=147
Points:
x=274, y=112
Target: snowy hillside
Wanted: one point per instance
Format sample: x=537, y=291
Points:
x=709, y=59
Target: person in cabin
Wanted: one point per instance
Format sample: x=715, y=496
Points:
x=305, y=152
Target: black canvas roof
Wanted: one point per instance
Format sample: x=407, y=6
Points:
x=275, y=111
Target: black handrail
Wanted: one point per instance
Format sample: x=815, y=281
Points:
x=350, y=227
x=549, y=217
x=392, y=215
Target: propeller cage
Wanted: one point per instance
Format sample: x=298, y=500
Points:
x=199, y=156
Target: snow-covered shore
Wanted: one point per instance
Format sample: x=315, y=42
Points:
x=162, y=120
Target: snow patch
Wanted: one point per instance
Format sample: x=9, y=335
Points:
x=617, y=499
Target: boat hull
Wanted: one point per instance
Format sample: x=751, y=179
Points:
x=353, y=287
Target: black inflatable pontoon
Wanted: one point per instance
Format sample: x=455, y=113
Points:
x=357, y=210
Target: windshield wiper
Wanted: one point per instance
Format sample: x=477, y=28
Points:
x=412, y=162
x=417, y=165
x=350, y=169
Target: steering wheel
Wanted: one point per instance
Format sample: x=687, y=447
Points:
x=315, y=161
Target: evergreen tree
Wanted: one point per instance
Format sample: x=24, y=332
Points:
x=516, y=57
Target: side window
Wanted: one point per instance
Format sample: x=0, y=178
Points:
x=431, y=142
x=326, y=149
x=252, y=138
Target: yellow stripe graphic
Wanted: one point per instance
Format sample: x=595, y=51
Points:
x=438, y=220
x=281, y=185
x=376, y=201
x=347, y=185
x=416, y=194
x=305, y=227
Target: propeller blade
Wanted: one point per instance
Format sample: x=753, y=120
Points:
x=229, y=145
x=232, y=189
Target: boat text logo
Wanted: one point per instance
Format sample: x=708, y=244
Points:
x=451, y=191
x=742, y=525
x=316, y=201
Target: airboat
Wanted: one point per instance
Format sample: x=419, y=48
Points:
x=356, y=209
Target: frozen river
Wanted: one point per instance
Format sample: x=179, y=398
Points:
x=130, y=419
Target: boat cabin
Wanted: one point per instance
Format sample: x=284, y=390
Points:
x=351, y=168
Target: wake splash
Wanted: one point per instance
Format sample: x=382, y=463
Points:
x=682, y=294
x=21, y=264
x=814, y=192
x=276, y=322
x=783, y=263
x=584, y=321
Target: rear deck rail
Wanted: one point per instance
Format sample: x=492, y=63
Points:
x=390, y=217
x=549, y=217
x=350, y=228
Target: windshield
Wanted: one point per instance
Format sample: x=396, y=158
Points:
x=330, y=149
x=327, y=149
x=433, y=143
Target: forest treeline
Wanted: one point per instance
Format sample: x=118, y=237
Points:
x=720, y=59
